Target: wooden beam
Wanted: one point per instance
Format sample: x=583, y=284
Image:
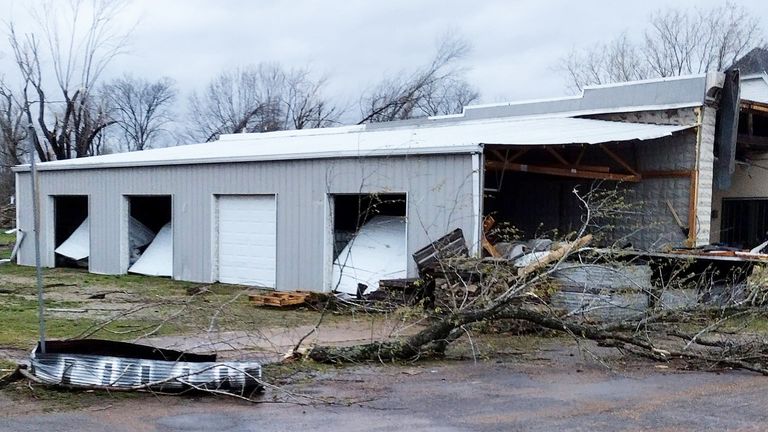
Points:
x=666, y=174
x=498, y=154
x=754, y=106
x=692, y=198
x=562, y=172
x=594, y=168
x=517, y=155
x=557, y=156
x=618, y=159
x=581, y=155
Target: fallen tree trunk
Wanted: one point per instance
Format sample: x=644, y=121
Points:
x=432, y=341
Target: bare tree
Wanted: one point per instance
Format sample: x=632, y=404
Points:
x=304, y=104
x=140, y=108
x=437, y=88
x=12, y=135
x=260, y=98
x=12, y=130
x=68, y=114
x=676, y=42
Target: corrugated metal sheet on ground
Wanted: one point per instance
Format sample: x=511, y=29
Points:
x=80, y=369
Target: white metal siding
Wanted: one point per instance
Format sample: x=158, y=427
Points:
x=247, y=239
x=439, y=191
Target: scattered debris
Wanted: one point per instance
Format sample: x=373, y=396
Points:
x=280, y=299
x=66, y=310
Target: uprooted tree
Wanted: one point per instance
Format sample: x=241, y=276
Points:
x=701, y=331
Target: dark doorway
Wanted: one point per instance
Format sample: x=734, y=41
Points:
x=352, y=211
x=745, y=222
x=152, y=211
x=148, y=215
x=70, y=211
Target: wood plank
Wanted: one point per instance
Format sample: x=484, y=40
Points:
x=594, y=168
x=754, y=106
x=279, y=299
x=491, y=249
x=563, y=172
x=666, y=174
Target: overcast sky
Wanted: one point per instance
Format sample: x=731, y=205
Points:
x=515, y=44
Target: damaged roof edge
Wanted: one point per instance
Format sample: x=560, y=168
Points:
x=578, y=131
x=241, y=159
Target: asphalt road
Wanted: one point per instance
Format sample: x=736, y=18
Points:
x=454, y=396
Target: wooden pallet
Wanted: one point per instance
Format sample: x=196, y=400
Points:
x=279, y=299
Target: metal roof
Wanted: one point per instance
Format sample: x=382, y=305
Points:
x=645, y=95
x=754, y=88
x=361, y=141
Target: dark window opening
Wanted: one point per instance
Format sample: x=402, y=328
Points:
x=70, y=212
x=745, y=222
x=351, y=212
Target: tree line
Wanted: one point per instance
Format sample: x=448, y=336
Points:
x=62, y=98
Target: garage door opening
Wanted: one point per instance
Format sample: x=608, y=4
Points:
x=368, y=235
x=150, y=235
x=71, y=231
x=246, y=240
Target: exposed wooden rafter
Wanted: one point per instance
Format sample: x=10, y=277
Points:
x=618, y=159
x=557, y=156
x=563, y=172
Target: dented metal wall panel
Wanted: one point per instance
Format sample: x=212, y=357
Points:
x=439, y=191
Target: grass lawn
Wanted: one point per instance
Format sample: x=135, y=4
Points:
x=158, y=305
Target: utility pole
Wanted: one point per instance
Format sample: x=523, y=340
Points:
x=36, y=229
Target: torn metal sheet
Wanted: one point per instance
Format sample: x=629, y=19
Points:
x=78, y=245
x=376, y=252
x=157, y=260
x=93, y=363
x=19, y=238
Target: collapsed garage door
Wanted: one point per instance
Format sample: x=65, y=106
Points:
x=247, y=239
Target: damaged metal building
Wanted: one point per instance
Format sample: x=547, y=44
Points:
x=276, y=209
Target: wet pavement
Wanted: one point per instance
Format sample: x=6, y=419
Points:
x=454, y=396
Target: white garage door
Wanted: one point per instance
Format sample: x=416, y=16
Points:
x=247, y=239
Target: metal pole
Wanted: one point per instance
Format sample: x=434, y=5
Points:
x=36, y=229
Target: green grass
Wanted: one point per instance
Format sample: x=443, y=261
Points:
x=6, y=244
x=167, y=298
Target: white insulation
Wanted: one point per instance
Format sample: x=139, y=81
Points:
x=376, y=252
x=157, y=260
